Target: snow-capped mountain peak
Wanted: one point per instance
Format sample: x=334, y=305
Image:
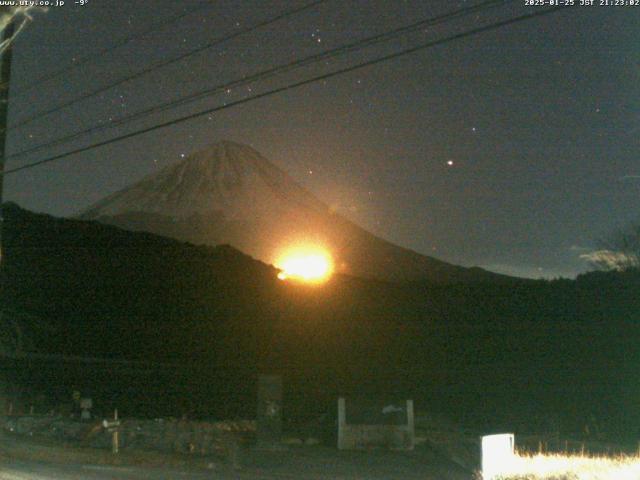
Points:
x=225, y=177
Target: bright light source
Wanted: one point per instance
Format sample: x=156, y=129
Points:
x=497, y=455
x=308, y=264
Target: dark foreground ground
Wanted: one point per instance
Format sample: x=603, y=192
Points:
x=296, y=462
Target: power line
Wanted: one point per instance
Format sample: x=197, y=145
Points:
x=156, y=66
x=125, y=41
x=292, y=86
x=145, y=365
x=359, y=44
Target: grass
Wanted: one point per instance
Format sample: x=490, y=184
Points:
x=572, y=467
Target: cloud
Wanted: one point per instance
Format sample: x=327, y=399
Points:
x=630, y=177
x=612, y=260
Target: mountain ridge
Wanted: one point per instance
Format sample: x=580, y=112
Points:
x=229, y=193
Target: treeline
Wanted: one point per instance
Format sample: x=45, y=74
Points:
x=538, y=349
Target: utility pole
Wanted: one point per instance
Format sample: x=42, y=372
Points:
x=5, y=74
x=5, y=77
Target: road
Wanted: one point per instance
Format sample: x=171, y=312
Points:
x=312, y=464
x=21, y=470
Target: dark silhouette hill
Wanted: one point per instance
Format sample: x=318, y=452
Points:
x=522, y=354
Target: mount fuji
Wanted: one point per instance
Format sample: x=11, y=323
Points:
x=230, y=194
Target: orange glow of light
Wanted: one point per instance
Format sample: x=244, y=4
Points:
x=307, y=264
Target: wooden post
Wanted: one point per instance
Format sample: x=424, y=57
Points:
x=115, y=447
x=342, y=423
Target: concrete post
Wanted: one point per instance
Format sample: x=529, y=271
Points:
x=411, y=429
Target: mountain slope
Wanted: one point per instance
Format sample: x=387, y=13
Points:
x=479, y=351
x=230, y=194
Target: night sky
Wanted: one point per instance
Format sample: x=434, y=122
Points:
x=514, y=150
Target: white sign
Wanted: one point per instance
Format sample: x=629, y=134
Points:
x=497, y=455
